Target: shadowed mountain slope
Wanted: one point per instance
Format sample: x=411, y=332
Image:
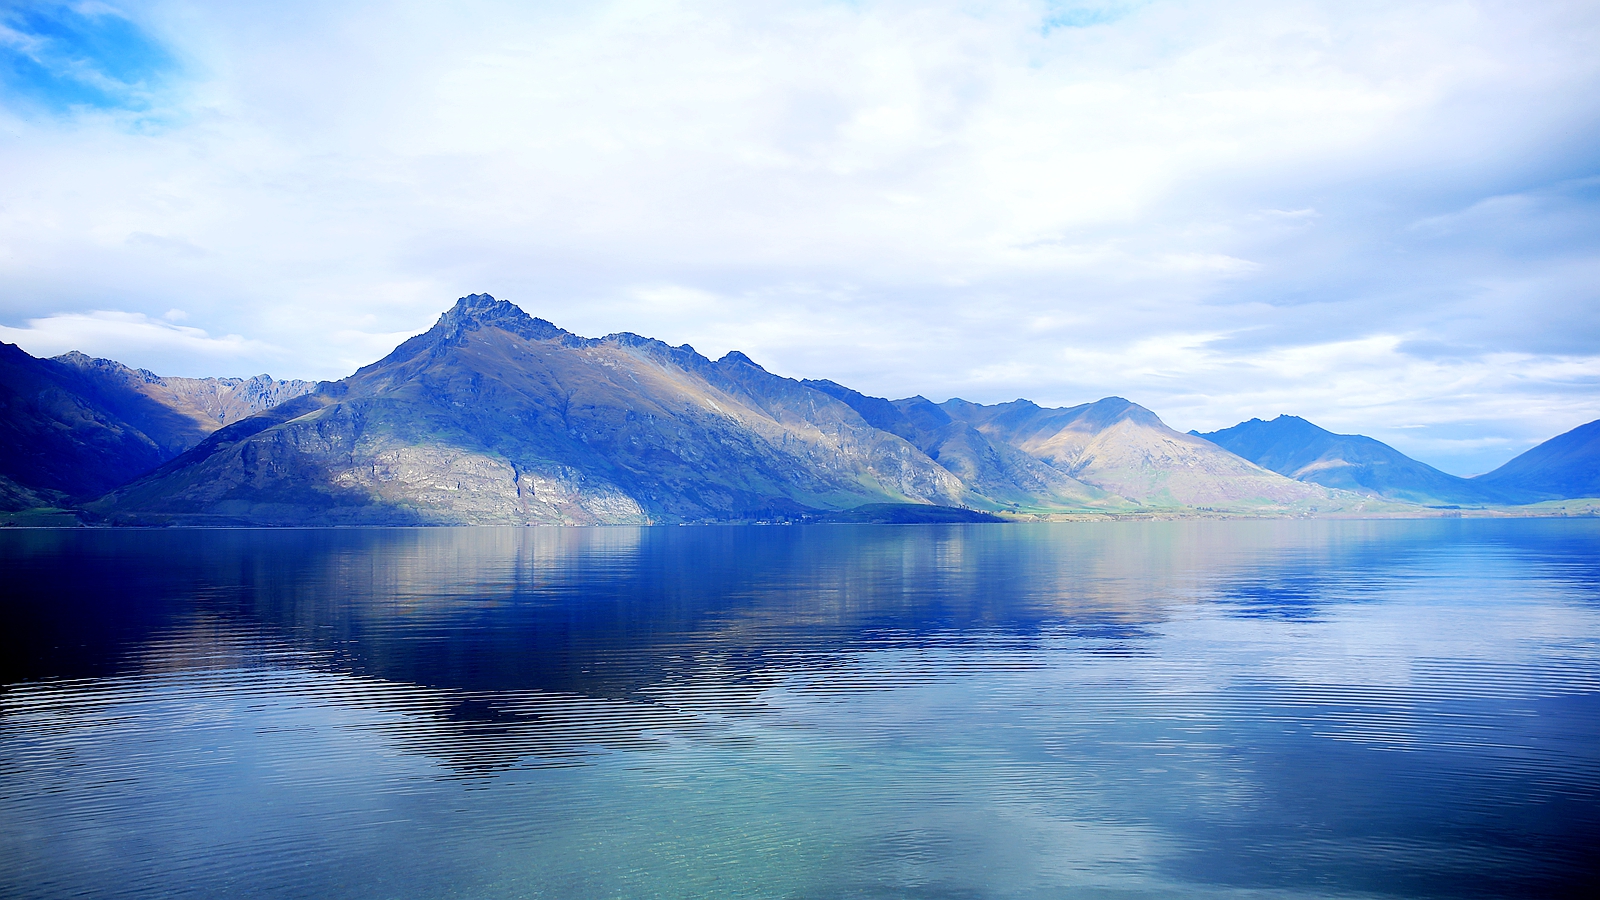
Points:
x=59, y=439
x=72, y=428
x=1566, y=466
x=1125, y=449
x=1292, y=446
x=75, y=427
x=493, y=416
x=209, y=403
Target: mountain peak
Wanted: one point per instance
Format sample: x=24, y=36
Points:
x=475, y=303
x=75, y=358
x=83, y=362
x=1108, y=411
x=1284, y=424
x=736, y=357
x=482, y=309
x=476, y=311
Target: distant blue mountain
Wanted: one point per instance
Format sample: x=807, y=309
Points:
x=1292, y=446
x=1565, y=467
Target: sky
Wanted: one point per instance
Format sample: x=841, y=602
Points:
x=1383, y=217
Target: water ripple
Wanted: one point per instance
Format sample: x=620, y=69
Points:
x=1313, y=709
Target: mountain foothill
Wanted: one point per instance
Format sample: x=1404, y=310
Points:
x=494, y=416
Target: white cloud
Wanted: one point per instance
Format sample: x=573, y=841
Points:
x=910, y=198
x=135, y=338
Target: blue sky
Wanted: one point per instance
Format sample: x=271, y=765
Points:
x=61, y=58
x=1383, y=217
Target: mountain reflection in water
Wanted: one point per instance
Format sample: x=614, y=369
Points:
x=1275, y=708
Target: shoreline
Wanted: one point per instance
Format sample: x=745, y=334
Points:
x=1587, y=508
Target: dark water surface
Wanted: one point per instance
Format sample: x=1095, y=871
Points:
x=1191, y=709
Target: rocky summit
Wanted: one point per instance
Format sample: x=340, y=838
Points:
x=495, y=416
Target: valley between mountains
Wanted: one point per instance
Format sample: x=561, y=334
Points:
x=496, y=417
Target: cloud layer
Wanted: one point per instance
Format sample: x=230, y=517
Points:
x=1383, y=218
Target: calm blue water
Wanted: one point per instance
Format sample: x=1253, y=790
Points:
x=1192, y=709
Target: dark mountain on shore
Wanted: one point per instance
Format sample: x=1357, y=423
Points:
x=1292, y=446
x=1565, y=467
x=493, y=416
x=74, y=427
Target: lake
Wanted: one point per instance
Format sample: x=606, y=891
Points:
x=1099, y=710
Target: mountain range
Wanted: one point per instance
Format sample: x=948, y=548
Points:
x=74, y=427
x=1564, y=467
x=494, y=416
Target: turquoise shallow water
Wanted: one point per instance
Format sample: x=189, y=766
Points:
x=1229, y=709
